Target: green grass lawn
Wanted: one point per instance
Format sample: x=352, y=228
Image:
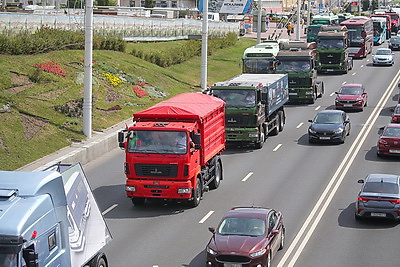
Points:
x=44, y=107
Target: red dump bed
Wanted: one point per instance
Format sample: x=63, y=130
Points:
x=205, y=110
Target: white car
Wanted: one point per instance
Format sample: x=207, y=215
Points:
x=383, y=56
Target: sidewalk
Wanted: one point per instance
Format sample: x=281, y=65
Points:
x=273, y=31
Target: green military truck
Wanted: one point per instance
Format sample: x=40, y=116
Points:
x=298, y=60
x=254, y=106
x=332, y=52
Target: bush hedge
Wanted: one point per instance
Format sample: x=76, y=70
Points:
x=48, y=39
x=190, y=49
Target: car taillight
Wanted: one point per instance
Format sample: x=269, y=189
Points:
x=394, y=201
x=363, y=199
x=395, y=118
x=382, y=142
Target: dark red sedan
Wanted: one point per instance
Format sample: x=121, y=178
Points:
x=396, y=114
x=389, y=140
x=351, y=96
x=246, y=236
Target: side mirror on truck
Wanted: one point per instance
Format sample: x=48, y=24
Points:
x=121, y=139
x=196, y=138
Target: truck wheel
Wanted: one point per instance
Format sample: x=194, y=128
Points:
x=260, y=143
x=281, y=121
x=218, y=176
x=196, y=195
x=275, y=131
x=99, y=261
x=138, y=200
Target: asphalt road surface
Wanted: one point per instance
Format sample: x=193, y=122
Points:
x=315, y=187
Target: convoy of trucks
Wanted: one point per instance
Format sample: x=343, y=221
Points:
x=173, y=149
x=298, y=60
x=50, y=218
x=254, y=106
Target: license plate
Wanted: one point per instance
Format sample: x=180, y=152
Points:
x=396, y=151
x=232, y=265
x=378, y=214
x=292, y=93
x=347, y=105
x=330, y=70
x=324, y=138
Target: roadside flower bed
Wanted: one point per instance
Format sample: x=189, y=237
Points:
x=114, y=80
x=51, y=67
x=139, y=91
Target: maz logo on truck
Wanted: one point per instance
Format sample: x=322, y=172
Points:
x=155, y=171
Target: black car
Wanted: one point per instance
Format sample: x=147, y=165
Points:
x=394, y=43
x=329, y=126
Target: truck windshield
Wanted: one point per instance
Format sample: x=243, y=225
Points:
x=11, y=260
x=294, y=66
x=330, y=43
x=355, y=33
x=258, y=66
x=313, y=30
x=237, y=98
x=157, y=142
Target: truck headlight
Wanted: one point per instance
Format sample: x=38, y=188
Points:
x=130, y=188
x=184, y=190
x=253, y=135
x=258, y=253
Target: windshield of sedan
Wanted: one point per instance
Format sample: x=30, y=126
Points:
x=242, y=226
x=237, y=98
x=393, y=132
x=350, y=90
x=157, y=142
x=381, y=187
x=324, y=118
x=383, y=52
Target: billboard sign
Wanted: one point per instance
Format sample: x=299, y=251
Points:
x=228, y=6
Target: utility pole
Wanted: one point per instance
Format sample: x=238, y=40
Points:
x=87, y=97
x=298, y=21
x=259, y=23
x=204, y=43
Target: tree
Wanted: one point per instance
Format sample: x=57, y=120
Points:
x=149, y=3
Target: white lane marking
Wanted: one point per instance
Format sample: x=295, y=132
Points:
x=299, y=125
x=343, y=83
x=206, y=217
x=109, y=209
x=317, y=108
x=333, y=93
x=277, y=147
x=247, y=176
x=322, y=205
x=353, y=73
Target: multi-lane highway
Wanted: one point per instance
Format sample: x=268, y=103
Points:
x=314, y=186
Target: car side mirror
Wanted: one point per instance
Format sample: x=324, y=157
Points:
x=275, y=232
x=309, y=120
x=211, y=229
x=361, y=181
x=337, y=93
x=398, y=85
x=347, y=121
x=380, y=131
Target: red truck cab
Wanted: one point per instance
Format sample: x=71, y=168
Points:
x=173, y=149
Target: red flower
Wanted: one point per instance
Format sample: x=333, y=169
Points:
x=51, y=67
x=139, y=91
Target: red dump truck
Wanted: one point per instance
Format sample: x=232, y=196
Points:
x=173, y=149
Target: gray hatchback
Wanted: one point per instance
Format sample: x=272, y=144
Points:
x=379, y=197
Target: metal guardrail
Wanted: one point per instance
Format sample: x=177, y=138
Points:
x=128, y=28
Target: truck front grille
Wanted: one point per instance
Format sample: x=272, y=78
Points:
x=156, y=170
x=236, y=120
x=330, y=58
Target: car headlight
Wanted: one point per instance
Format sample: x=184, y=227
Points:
x=338, y=131
x=311, y=131
x=258, y=253
x=211, y=251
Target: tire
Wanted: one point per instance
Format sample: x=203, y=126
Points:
x=196, y=195
x=99, y=261
x=357, y=218
x=260, y=143
x=275, y=131
x=281, y=121
x=138, y=201
x=282, y=243
x=218, y=176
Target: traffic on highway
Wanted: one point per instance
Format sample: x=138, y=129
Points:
x=314, y=187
